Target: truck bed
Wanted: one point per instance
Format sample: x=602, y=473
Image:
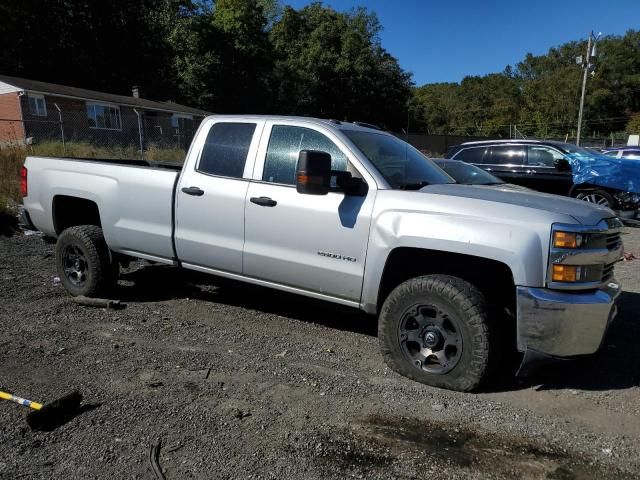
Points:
x=134, y=198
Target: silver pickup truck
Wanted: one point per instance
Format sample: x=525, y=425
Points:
x=342, y=212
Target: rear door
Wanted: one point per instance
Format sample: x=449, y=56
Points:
x=211, y=196
x=507, y=162
x=314, y=242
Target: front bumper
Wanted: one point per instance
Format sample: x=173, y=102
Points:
x=562, y=323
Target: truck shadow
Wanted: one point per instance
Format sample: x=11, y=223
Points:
x=161, y=282
x=615, y=366
x=8, y=225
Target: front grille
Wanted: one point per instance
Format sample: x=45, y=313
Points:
x=613, y=241
x=607, y=271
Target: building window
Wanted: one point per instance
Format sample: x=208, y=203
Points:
x=182, y=129
x=182, y=123
x=104, y=116
x=37, y=105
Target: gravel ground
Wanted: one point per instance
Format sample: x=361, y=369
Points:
x=244, y=382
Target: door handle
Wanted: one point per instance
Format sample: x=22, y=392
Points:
x=263, y=201
x=530, y=172
x=195, y=191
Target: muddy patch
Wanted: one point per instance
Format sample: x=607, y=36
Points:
x=402, y=443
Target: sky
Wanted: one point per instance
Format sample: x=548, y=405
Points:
x=444, y=41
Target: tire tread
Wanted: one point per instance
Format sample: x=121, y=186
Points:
x=471, y=304
x=92, y=240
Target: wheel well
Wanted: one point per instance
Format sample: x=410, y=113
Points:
x=494, y=279
x=72, y=211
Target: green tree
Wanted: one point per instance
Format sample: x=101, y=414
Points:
x=222, y=56
x=540, y=95
x=332, y=64
x=102, y=45
x=633, y=125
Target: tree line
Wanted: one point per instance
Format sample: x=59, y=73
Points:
x=540, y=95
x=227, y=56
x=258, y=56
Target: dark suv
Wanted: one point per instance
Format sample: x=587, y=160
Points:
x=543, y=166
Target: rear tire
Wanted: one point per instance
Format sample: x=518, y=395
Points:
x=83, y=261
x=434, y=329
x=599, y=197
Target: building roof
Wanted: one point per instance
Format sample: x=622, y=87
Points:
x=84, y=94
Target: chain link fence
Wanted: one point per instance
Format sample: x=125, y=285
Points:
x=104, y=133
x=439, y=145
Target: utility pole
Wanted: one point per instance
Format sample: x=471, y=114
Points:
x=585, y=67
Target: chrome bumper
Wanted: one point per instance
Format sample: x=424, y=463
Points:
x=562, y=323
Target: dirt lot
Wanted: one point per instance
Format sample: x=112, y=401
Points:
x=242, y=382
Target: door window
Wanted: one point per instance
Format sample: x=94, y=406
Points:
x=226, y=148
x=285, y=145
x=507, y=155
x=539, y=156
x=473, y=155
x=631, y=154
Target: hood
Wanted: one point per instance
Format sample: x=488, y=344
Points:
x=583, y=212
x=511, y=187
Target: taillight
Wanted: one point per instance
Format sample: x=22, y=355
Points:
x=23, y=181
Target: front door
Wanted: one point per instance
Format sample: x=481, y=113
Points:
x=211, y=194
x=545, y=172
x=314, y=242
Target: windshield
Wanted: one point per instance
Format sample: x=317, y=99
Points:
x=579, y=151
x=399, y=163
x=468, y=174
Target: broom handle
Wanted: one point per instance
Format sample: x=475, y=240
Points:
x=21, y=401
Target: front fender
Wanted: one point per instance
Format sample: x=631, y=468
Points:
x=519, y=246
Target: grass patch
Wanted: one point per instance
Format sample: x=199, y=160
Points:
x=12, y=158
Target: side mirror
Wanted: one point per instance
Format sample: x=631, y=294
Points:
x=313, y=172
x=562, y=165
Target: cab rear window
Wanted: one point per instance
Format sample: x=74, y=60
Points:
x=226, y=148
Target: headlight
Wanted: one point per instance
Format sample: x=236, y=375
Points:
x=567, y=239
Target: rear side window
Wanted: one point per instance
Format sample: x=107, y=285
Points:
x=226, y=148
x=285, y=145
x=507, y=155
x=473, y=155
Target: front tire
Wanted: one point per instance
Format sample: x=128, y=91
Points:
x=83, y=261
x=434, y=329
